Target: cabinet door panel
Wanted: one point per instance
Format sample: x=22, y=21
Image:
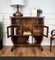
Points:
x=39, y=30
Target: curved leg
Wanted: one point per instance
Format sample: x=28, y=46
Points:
x=39, y=41
x=40, y=47
x=13, y=41
x=13, y=48
x=50, y=44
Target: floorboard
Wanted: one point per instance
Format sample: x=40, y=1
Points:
x=28, y=51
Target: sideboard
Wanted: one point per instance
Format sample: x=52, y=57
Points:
x=23, y=27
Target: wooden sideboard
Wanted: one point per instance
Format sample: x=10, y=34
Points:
x=23, y=27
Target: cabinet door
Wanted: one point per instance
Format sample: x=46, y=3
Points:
x=38, y=30
x=14, y=30
x=46, y=31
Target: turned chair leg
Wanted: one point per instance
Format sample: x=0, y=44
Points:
x=50, y=44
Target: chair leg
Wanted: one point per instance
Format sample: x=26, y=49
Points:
x=50, y=44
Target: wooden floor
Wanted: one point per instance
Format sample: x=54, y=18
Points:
x=28, y=51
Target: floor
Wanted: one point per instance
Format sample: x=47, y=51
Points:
x=28, y=51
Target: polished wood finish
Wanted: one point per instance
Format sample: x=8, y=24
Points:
x=52, y=38
x=27, y=52
x=35, y=25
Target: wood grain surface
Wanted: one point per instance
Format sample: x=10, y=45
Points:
x=28, y=51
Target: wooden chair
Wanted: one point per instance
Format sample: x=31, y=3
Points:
x=52, y=38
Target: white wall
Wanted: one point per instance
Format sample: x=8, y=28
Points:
x=48, y=7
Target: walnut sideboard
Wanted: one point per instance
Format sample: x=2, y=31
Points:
x=23, y=27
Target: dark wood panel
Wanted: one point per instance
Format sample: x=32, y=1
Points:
x=24, y=24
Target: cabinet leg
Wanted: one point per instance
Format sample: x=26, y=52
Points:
x=39, y=41
x=40, y=47
x=13, y=48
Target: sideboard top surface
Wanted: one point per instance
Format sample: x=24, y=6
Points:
x=27, y=17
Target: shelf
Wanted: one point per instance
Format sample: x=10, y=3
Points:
x=27, y=45
x=20, y=35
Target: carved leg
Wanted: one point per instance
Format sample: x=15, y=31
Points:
x=13, y=48
x=39, y=41
x=40, y=47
